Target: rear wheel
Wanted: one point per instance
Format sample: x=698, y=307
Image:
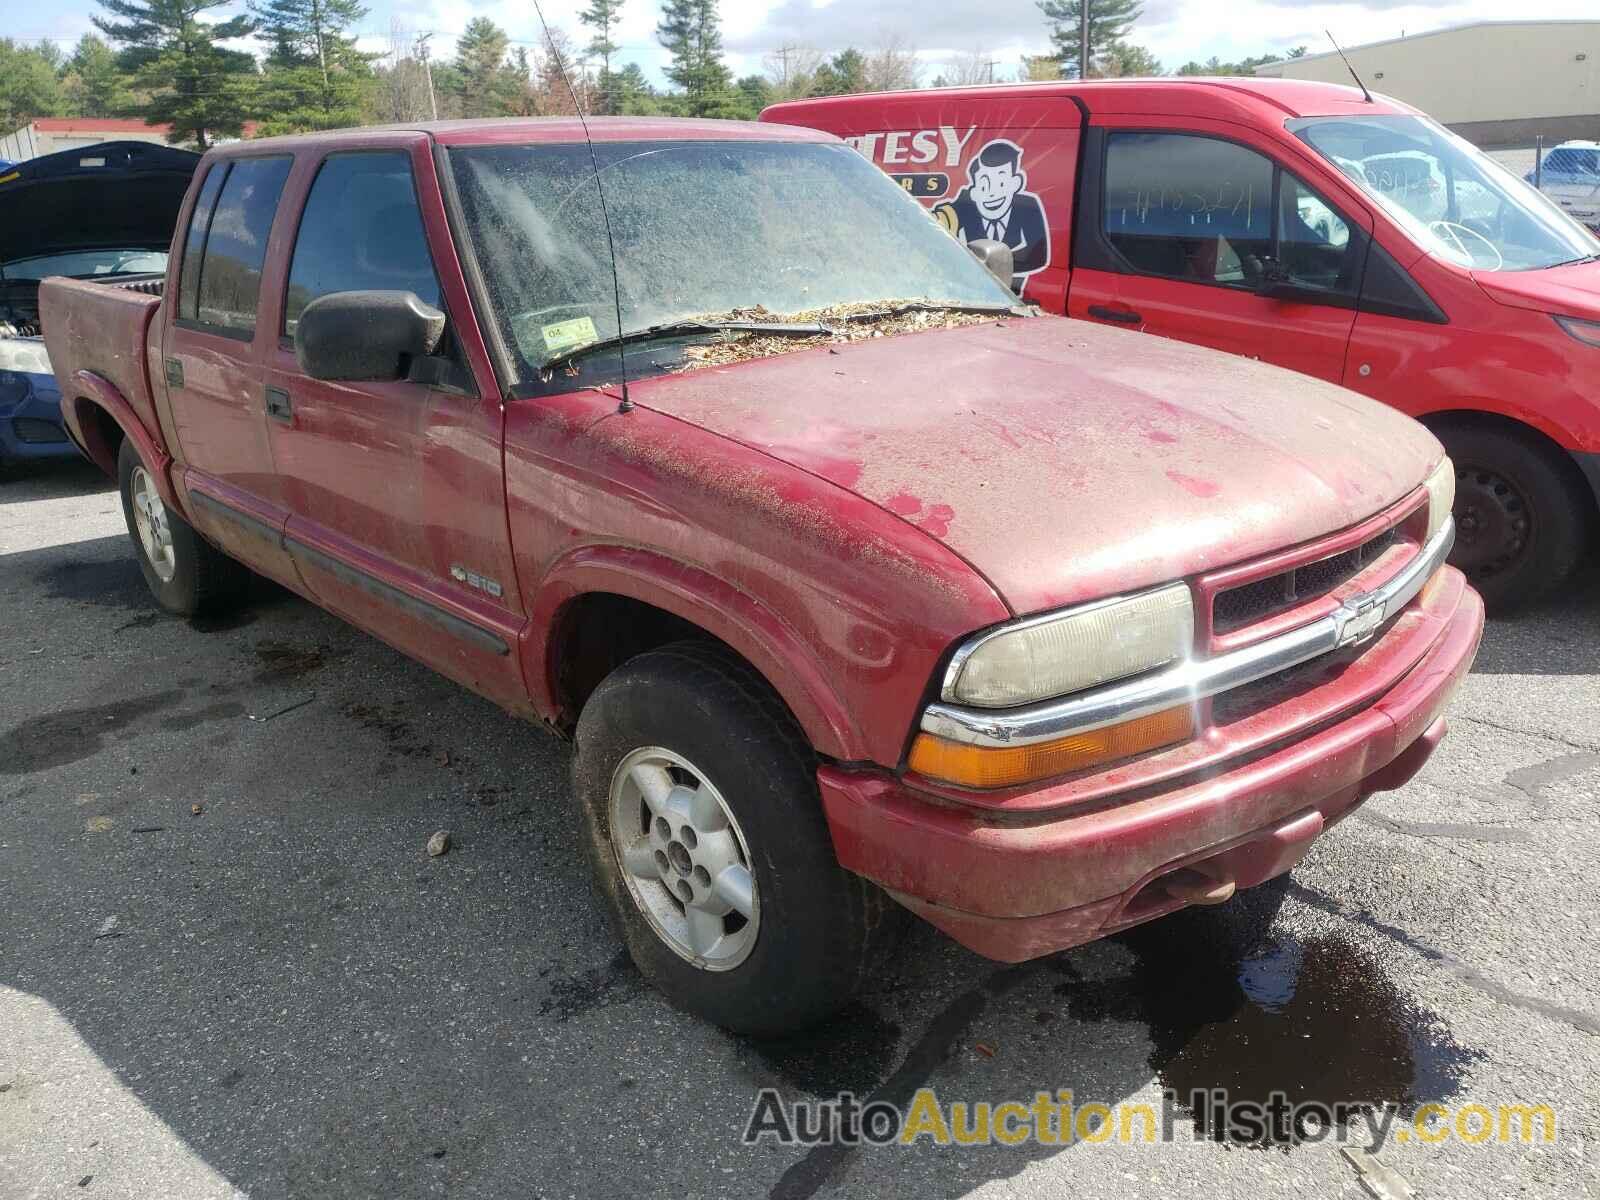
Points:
x=707, y=837
x=1520, y=515
x=185, y=573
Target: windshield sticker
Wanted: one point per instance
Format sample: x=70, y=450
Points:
x=565, y=335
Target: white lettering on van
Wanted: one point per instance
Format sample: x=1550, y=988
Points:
x=866, y=145
x=924, y=146
x=894, y=151
x=953, y=145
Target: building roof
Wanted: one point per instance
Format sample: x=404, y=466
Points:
x=95, y=125
x=1413, y=37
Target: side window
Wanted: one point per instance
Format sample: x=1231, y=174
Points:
x=195, y=244
x=230, y=272
x=361, y=230
x=1187, y=207
x=1313, y=240
x=1211, y=211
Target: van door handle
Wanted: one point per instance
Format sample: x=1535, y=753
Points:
x=1122, y=316
x=278, y=406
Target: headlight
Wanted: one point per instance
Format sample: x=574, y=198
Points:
x=24, y=354
x=1066, y=652
x=1441, y=487
x=1587, y=332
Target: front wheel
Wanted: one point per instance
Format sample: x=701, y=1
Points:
x=1520, y=515
x=186, y=574
x=708, y=841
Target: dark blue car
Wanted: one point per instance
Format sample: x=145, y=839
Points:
x=91, y=212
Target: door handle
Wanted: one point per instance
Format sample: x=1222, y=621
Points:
x=279, y=407
x=1122, y=316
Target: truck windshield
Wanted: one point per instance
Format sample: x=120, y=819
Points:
x=701, y=228
x=1454, y=200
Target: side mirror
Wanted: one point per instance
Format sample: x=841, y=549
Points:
x=365, y=336
x=997, y=257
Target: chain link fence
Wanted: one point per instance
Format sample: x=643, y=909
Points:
x=1567, y=172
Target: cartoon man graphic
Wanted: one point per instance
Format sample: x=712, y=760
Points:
x=996, y=204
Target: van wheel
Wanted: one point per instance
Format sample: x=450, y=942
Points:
x=1520, y=516
x=186, y=574
x=707, y=837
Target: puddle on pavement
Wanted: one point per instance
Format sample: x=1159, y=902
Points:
x=115, y=583
x=850, y=1053
x=1317, y=1021
x=283, y=660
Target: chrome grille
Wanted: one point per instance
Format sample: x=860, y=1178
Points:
x=1242, y=606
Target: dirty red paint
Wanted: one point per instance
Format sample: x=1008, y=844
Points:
x=936, y=520
x=1202, y=488
x=902, y=504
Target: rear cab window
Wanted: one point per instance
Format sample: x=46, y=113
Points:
x=220, y=284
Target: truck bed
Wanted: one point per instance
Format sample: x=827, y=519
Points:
x=101, y=327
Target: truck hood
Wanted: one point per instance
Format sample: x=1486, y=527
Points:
x=1065, y=461
x=114, y=194
x=1570, y=291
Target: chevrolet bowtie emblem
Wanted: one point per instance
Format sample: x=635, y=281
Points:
x=1359, y=618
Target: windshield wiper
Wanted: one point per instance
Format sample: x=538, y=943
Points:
x=669, y=329
x=899, y=310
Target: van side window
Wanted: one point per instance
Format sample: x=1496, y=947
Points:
x=194, y=244
x=361, y=230
x=236, y=245
x=1211, y=211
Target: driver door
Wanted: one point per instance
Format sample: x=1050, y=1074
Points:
x=394, y=489
x=1178, y=231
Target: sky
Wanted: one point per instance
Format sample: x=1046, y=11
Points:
x=1176, y=31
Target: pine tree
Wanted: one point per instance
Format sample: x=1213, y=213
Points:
x=95, y=86
x=691, y=31
x=315, y=76
x=843, y=74
x=1109, y=22
x=199, y=88
x=28, y=84
x=602, y=17
x=489, y=86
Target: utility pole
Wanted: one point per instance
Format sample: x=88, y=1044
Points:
x=427, y=67
x=1083, y=38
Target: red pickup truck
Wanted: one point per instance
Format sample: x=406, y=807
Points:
x=850, y=579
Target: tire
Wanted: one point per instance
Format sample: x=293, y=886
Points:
x=1521, y=515
x=816, y=928
x=186, y=574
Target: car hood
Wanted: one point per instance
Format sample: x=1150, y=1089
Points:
x=1065, y=461
x=114, y=194
x=1570, y=291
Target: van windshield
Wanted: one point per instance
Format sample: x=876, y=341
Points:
x=700, y=228
x=1454, y=200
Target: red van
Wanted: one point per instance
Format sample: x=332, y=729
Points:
x=1305, y=225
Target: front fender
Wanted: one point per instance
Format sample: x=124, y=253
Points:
x=709, y=603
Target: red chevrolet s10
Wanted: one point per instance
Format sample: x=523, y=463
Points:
x=858, y=586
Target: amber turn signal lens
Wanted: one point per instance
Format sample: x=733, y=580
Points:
x=1006, y=766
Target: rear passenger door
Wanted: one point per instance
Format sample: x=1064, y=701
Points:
x=395, y=489
x=212, y=362
x=1205, y=238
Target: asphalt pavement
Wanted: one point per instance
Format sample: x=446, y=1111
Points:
x=228, y=964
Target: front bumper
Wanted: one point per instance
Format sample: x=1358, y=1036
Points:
x=30, y=418
x=1058, y=873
